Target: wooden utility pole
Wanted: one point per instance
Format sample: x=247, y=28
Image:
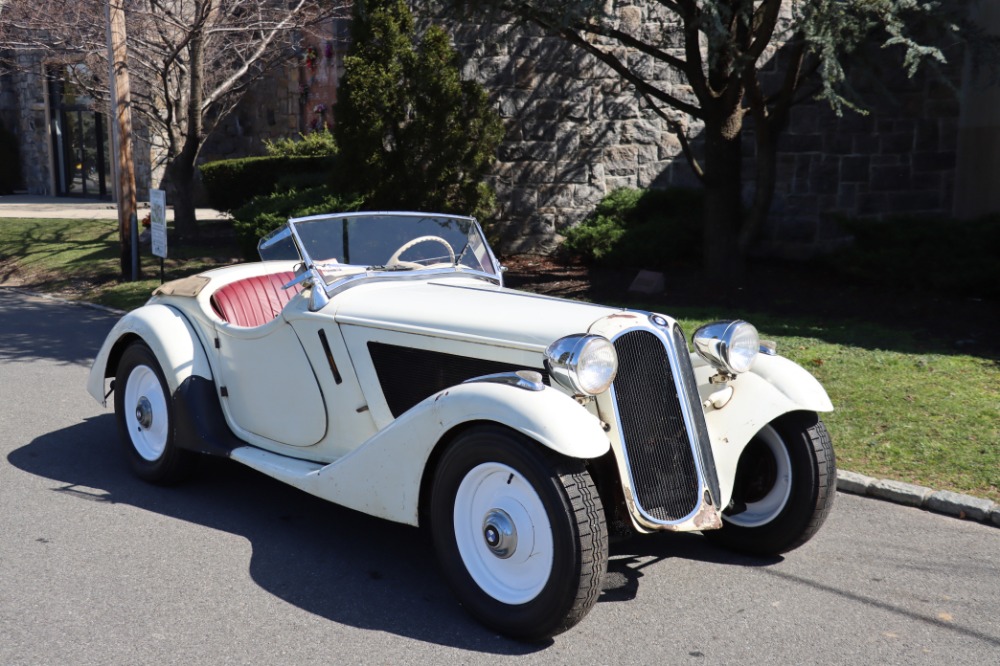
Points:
x=121, y=135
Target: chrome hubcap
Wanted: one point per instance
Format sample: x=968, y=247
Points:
x=144, y=412
x=500, y=533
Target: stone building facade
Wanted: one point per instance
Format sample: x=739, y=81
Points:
x=64, y=140
x=576, y=131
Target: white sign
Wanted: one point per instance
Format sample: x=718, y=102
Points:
x=158, y=222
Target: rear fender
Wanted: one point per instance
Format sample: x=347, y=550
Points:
x=383, y=476
x=168, y=334
x=773, y=387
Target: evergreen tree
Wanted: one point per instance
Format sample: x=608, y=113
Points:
x=412, y=134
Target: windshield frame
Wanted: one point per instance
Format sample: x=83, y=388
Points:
x=338, y=276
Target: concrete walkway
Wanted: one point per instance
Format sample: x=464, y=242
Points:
x=32, y=206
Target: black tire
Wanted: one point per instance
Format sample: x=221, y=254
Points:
x=481, y=480
x=144, y=411
x=781, y=500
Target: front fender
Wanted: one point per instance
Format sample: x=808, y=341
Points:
x=383, y=476
x=773, y=387
x=167, y=333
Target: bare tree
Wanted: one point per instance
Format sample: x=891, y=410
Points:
x=190, y=62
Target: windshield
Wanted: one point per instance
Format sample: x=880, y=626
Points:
x=382, y=242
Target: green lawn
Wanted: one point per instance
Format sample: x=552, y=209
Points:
x=80, y=259
x=922, y=417
x=906, y=407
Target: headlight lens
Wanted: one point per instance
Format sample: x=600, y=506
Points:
x=729, y=346
x=583, y=364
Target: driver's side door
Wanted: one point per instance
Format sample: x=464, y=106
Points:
x=268, y=386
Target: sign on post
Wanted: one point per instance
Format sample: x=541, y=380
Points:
x=158, y=222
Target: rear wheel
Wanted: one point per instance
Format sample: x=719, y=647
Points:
x=785, y=483
x=519, y=532
x=145, y=419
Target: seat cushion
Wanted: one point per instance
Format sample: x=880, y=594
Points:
x=254, y=301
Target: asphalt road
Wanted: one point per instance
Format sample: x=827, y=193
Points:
x=97, y=567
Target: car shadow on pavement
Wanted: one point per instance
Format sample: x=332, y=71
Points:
x=337, y=563
x=330, y=561
x=627, y=559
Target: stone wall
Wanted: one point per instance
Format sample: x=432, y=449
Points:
x=24, y=107
x=575, y=132
x=898, y=159
x=291, y=100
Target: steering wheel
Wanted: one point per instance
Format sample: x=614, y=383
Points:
x=394, y=260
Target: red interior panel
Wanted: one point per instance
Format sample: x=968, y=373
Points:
x=255, y=300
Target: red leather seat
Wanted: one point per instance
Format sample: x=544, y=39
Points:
x=255, y=300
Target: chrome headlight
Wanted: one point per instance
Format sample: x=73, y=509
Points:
x=582, y=364
x=729, y=346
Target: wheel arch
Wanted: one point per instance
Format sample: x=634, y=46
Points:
x=774, y=388
x=169, y=335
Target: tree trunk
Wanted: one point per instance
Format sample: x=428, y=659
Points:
x=181, y=167
x=723, y=200
x=765, y=181
x=180, y=172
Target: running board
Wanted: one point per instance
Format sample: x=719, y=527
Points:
x=351, y=481
x=292, y=471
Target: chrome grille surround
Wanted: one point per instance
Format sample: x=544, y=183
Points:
x=658, y=426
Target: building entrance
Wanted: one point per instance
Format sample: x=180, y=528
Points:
x=79, y=143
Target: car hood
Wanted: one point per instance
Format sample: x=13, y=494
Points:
x=466, y=309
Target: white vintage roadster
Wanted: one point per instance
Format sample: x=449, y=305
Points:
x=377, y=361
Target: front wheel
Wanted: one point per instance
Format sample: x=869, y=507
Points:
x=145, y=419
x=519, y=532
x=785, y=483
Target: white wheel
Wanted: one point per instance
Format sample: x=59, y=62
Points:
x=771, y=486
x=503, y=533
x=519, y=532
x=146, y=415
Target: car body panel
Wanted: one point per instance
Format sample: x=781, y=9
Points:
x=467, y=309
x=270, y=388
x=384, y=475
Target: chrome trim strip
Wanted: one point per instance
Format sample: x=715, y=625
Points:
x=368, y=277
x=529, y=380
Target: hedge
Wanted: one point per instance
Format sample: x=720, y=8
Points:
x=231, y=184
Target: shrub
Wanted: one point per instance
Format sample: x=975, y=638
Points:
x=930, y=254
x=654, y=229
x=312, y=144
x=232, y=183
x=263, y=214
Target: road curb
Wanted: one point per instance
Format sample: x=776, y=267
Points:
x=945, y=502
x=65, y=301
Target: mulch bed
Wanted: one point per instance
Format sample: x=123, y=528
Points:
x=778, y=288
